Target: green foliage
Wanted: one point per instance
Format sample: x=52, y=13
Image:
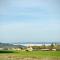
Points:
x=6, y=51
x=36, y=47
x=58, y=47
x=52, y=46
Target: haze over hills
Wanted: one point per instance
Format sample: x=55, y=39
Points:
x=8, y=45
x=36, y=42
x=25, y=44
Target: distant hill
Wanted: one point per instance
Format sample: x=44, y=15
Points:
x=7, y=45
x=18, y=43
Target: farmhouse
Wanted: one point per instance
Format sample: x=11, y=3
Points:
x=29, y=48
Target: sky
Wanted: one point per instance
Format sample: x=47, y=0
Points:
x=29, y=21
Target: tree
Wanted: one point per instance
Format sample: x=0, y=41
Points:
x=52, y=46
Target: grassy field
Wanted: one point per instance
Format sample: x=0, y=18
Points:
x=33, y=55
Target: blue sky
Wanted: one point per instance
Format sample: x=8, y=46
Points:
x=29, y=20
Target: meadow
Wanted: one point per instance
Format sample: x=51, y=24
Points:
x=30, y=55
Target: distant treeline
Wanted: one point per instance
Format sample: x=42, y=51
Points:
x=50, y=47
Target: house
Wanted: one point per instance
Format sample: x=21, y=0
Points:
x=29, y=48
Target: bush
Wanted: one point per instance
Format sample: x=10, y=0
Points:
x=6, y=51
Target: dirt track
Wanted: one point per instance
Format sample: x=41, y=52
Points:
x=9, y=57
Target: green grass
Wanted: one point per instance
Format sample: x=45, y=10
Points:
x=39, y=53
x=33, y=53
x=15, y=55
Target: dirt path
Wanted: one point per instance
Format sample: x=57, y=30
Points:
x=13, y=57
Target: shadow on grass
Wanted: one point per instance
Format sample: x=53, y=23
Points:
x=6, y=51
